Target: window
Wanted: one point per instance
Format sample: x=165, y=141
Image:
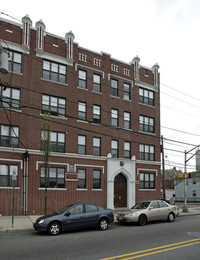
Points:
x=54, y=71
x=15, y=62
x=96, y=146
x=76, y=210
x=194, y=193
x=114, y=118
x=114, y=148
x=91, y=208
x=147, y=152
x=127, y=120
x=147, y=181
x=82, y=110
x=146, y=97
x=9, y=136
x=6, y=173
x=96, y=114
x=81, y=179
x=127, y=91
x=96, y=83
x=127, y=150
x=56, y=106
x=147, y=124
x=114, y=88
x=55, y=177
x=82, y=76
x=57, y=141
x=82, y=144
x=10, y=98
x=96, y=179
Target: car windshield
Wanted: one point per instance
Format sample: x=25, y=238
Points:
x=60, y=211
x=141, y=205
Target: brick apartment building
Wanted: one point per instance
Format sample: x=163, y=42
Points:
x=105, y=123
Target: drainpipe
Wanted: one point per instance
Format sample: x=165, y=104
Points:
x=25, y=183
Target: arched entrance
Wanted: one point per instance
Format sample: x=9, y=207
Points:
x=120, y=191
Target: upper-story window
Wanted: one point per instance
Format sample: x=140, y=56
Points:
x=114, y=88
x=96, y=114
x=127, y=120
x=147, y=124
x=114, y=117
x=82, y=79
x=81, y=144
x=82, y=111
x=127, y=91
x=96, y=146
x=127, y=150
x=147, y=152
x=54, y=71
x=15, y=62
x=56, y=106
x=10, y=98
x=9, y=136
x=96, y=82
x=57, y=141
x=114, y=148
x=146, y=97
x=6, y=173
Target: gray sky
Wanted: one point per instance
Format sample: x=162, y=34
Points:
x=158, y=31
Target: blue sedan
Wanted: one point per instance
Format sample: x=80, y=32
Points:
x=74, y=216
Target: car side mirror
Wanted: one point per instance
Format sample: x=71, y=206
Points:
x=67, y=214
x=150, y=208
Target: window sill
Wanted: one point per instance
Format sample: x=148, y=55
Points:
x=57, y=82
x=58, y=117
x=114, y=96
x=52, y=189
x=9, y=188
x=97, y=92
x=146, y=105
x=96, y=189
x=147, y=189
x=82, y=88
x=81, y=189
x=82, y=121
x=147, y=133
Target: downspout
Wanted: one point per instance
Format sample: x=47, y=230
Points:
x=25, y=183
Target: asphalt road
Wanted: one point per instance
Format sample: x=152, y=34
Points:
x=158, y=240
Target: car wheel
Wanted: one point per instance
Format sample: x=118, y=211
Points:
x=54, y=228
x=171, y=217
x=103, y=224
x=142, y=220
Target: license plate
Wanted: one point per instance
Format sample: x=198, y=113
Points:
x=120, y=218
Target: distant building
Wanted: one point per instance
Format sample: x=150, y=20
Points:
x=105, y=123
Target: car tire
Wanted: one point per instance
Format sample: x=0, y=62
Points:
x=171, y=217
x=103, y=224
x=54, y=228
x=142, y=220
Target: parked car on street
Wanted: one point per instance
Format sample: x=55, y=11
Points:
x=146, y=211
x=75, y=216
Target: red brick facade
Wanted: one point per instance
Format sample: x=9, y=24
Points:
x=28, y=117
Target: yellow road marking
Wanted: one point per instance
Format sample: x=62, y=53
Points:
x=159, y=250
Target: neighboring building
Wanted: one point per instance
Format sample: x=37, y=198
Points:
x=105, y=123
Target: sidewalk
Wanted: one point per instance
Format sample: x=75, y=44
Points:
x=26, y=222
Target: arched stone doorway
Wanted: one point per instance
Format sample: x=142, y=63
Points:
x=120, y=191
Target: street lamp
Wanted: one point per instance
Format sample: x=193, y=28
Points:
x=185, y=207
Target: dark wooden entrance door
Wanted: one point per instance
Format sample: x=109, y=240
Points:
x=120, y=191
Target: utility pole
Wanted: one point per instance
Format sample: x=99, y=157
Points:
x=163, y=166
x=185, y=207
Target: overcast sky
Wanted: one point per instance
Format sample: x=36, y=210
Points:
x=158, y=31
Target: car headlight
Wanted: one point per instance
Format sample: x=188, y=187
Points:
x=41, y=221
x=132, y=215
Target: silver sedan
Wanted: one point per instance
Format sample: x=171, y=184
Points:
x=146, y=211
